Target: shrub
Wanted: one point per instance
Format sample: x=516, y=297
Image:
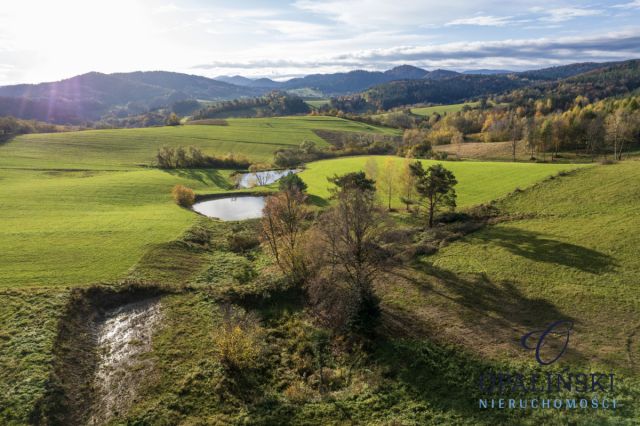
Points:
x=292, y=182
x=183, y=196
x=172, y=120
x=242, y=242
x=238, y=340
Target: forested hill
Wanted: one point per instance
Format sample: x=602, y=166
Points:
x=564, y=71
x=445, y=91
x=596, y=81
x=613, y=80
x=95, y=96
x=90, y=96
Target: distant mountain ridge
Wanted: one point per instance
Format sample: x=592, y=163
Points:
x=485, y=71
x=344, y=82
x=88, y=97
x=599, y=80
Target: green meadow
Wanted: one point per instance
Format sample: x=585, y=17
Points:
x=317, y=103
x=78, y=209
x=256, y=139
x=478, y=182
x=573, y=255
x=60, y=227
x=441, y=109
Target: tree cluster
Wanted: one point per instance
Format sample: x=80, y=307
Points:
x=273, y=104
x=193, y=158
x=10, y=126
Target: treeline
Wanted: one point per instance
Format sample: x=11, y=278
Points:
x=546, y=126
x=600, y=128
x=410, y=92
x=445, y=91
x=194, y=158
x=148, y=119
x=275, y=103
x=616, y=80
x=10, y=126
x=341, y=144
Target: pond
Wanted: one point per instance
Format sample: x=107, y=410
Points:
x=249, y=180
x=231, y=208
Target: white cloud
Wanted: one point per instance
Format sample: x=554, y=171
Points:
x=483, y=21
x=631, y=5
x=47, y=40
x=166, y=8
x=512, y=53
x=563, y=14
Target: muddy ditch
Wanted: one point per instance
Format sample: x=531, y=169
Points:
x=99, y=352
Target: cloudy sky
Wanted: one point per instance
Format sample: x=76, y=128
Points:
x=50, y=40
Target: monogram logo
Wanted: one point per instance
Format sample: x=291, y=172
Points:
x=560, y=329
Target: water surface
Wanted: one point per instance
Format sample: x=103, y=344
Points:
x=232, y=208
x=249, y=180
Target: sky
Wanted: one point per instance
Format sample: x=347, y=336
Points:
x=52, y=40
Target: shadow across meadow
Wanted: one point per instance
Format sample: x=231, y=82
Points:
x=537, y=247
x=204, y=176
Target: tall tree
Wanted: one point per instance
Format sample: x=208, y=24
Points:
x=350, y=234
x=618, y=131
x=546, y=134
x=515, y=132
x=387, y=180
x=406, y=183
x=282, y=229
x=436, y=187
x=371, y=168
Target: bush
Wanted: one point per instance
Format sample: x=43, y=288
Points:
x=238, y=341
x=292, y=182
x=183, y=196
x=172, y=120
x=242, y=242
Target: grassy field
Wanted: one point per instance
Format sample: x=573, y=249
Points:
x=80, y=227
x=575, y=256
x=28, y=326
x=566, y=248
x=479, y=182
x=256, y=139
x=317, y=103
x=441, y=109
x=74, y=228
x=571, y=255
x=60, y=226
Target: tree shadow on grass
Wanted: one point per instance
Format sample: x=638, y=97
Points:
x=205, y=176
x=5, y=139
x=318, y=201
x=487, y=314
x=441, y=357
x=534, y=246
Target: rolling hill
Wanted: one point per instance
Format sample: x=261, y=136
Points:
x=89, y=96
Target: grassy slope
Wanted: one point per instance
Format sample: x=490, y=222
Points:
x=439, y=332
x=317, y=103
x=410, y=386
x=479, y=182
x=573, y=255
x=28, y=326
x=440, y=109
x=126, y=148
x=75, y=227
x=81, y=227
